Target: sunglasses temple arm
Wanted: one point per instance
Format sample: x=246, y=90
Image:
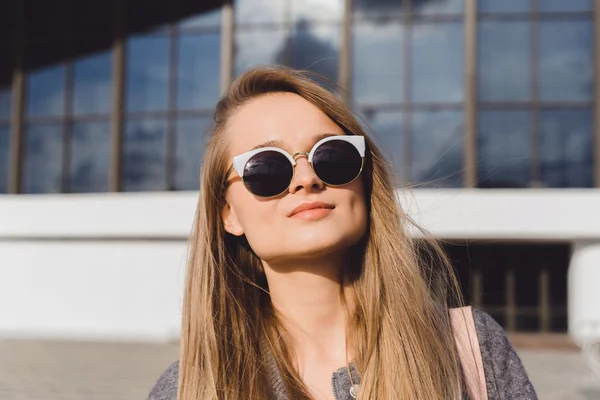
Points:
x=229, y=171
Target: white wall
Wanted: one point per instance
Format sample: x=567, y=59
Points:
x=102, y=290
x=584, y=292
x=107, y=267
x=111, y=266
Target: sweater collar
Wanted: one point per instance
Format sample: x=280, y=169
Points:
x=340, y=379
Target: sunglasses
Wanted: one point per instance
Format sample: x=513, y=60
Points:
x=268, y=171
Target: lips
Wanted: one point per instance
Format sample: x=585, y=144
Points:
x=317, y=205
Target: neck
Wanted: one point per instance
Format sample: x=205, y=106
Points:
x=310, y=301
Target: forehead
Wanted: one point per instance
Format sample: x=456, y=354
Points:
x=286, y=118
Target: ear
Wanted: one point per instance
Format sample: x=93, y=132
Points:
x=230, y=221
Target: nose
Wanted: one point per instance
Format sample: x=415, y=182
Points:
x=305, y=177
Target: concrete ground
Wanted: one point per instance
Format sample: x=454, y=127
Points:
x=560, y=375
x=42, y=370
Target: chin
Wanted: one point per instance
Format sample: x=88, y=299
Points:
x=321, y=242
x=306, y=246
x=308, y=241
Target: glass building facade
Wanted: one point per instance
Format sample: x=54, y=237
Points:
x=459, y=93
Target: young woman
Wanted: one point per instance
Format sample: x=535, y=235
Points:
x=303, y=282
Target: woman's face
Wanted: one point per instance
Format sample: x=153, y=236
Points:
x=275, y=233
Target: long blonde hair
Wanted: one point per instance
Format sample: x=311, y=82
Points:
x=400, y=331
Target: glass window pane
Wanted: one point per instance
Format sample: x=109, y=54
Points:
x=4, y=157
x=144, y=160
x=377, y=63
x=316, y=49
x=43, y=158
x=504, y=52
x=387, y=132
x=505, y=5
x=504, y=149
x=192, y=137
x=204, y=20
x=566, y=60
x=198, y=73
x=259, y=47
x=437, y=147
x=567, y=144
x=565, y=5
x=370, y=8
x=147, y=73
x=438, y=7
x=315, y=10
x=90, y=157
x=46, y=92
x=259, y=11
x=437, y=62
x=92, y=84
x=5, y=102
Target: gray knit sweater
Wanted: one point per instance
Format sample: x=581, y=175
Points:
x=504, y=373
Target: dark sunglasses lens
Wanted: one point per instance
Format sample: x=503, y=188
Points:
x=268, y=174
x=337, y=162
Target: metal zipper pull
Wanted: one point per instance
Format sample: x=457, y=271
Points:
x=354, y=391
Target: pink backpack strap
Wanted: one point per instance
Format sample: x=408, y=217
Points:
x=469, y=352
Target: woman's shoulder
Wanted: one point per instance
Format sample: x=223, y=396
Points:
x=166, y=386
x=505, y=374
x=485, y=323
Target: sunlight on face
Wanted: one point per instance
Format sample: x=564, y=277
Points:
x=275, y=235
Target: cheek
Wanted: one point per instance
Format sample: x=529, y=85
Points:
x=252, y=214
x=358, y=206
x=356, y=194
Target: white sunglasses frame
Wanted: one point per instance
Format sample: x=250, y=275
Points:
x=240, y=161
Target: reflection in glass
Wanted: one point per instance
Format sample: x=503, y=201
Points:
x=46, y=92
x=377, y=67
x=437, y=148
x=144, y=155
x=437, y=62
x=378, y=8
x=429, y=7
x=316, y=49
x=43, y=158
x=317, y=10
x=90, y=157
x=199, y=70
x=387, y=133
x=4, y=157
x=504, y=5
x=566, y=60
x=147, y=73
x=5, y=102
x=259, y=11
x=504, y=60
x=92, y=84
x=565, y=5
x=258, y=47
x=191, y=141
x=504, y=149
x=566, y=138
x=204, y=20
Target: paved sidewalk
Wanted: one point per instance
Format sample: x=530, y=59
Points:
x=560, y=375
x=36, y=370
x=32, y=370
